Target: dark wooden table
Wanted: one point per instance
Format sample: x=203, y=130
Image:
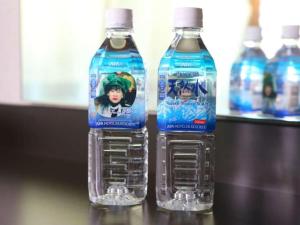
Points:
x=39, y=192
x=43, y=178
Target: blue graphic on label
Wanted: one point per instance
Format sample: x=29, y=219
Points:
x=93, y=85
x=186, y=94
x=177, y=86
x=187, y=98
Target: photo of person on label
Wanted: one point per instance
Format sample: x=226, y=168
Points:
x=269, y=94
x=113, y=102
x=185, y=94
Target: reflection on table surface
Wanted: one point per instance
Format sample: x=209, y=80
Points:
x=145, y=214
x=116, y=215
x=259, y=116
x=32, y=195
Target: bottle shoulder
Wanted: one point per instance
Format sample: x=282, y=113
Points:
x=174, y=59
x=288, y=51
x=281, y=65
x=118, y=46
x=187, y=49
x=253, y=53
x=110, y=59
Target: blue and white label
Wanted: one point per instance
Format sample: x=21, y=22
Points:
x=287, y=83
x=187, y=95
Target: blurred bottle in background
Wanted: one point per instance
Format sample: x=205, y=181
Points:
x=246, y=77
x=282, y=77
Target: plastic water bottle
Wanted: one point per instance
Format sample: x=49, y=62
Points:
x=186, y=119
x=282, y=77
x=246, y=80
x=118, y=139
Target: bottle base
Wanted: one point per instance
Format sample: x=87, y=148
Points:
x=116, y=195
x=185, y=205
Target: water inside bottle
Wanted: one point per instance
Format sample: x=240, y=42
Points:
x=186, y=164
x=118, y=165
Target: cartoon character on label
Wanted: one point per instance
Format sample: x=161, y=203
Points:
x=119, y=94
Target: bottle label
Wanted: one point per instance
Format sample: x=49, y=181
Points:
x=288, y=97
x=116, y=100
x=187, y=99
x=289, y=100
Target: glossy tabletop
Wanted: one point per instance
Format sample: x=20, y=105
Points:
x=35, y=192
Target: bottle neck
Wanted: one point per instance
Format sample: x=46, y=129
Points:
x=290, y=42
x=118, y=32
x=252, y=44
x=188, y=32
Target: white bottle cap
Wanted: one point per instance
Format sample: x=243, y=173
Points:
x=253, y=33
x=290, y=31
x=188, y=17
x=118, y=18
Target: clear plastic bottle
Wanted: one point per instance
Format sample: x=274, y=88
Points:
x=282, y=77
x=118, y=138
x=186, y=119
x=246, y=80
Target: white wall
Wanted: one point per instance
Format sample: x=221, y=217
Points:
x=10, y=63
x=10, y=51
